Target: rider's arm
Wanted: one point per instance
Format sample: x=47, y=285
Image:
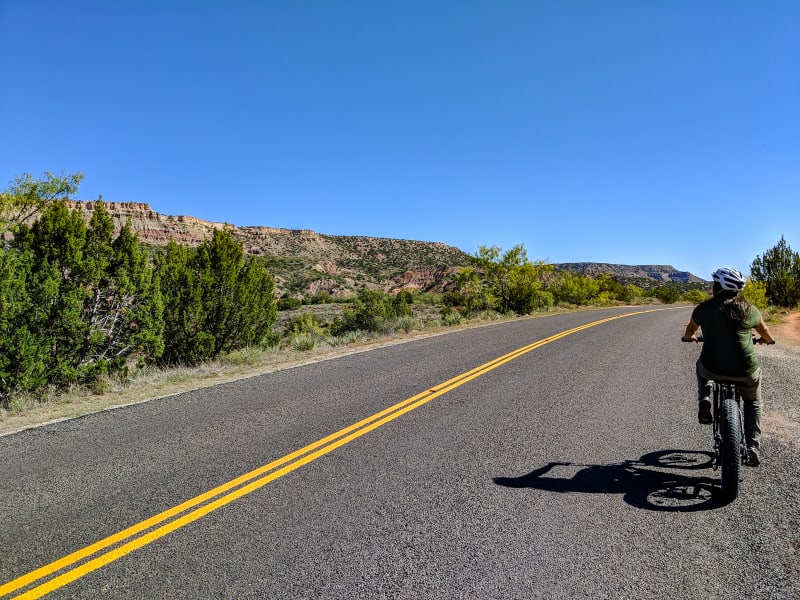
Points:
x=762, y=330
x=691, y=327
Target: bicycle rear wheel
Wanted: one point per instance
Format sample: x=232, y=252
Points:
x=730, y=453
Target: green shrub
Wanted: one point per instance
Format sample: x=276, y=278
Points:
x=76, y=304
x=348, y=337
x=779, y=271
x=320, y=298
x=667, y=294
x=304, y=323
x=406, y=323
x=289, y=303
x=215, y=299
x=428, y=298
x=573, y=288
x=507, y=282
x=605, y=298
x=405, y=297
x=694, y=296
x=372, y=310
x=454, y=299
x=755, y=292
x=303, y=342
x=628, y=293
x=248, y=356
x=451, y=318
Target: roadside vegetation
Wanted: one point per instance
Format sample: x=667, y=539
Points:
x=85, y=313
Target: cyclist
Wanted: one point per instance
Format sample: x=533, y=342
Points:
x=727, y=321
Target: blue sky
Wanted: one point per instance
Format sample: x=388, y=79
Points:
x=629, y=131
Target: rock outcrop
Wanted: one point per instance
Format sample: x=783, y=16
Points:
x=657, y=273
x=306, y=262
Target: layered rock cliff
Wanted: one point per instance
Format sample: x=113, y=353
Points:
x=306, y=262
x=656, y=273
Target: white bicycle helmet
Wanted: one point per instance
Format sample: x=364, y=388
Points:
x=729, y=279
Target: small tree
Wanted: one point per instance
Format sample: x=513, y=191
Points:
x=92, y=304
x=755, y=292
x=628, y=293
x=471, y=293
x=574, y=288
x=779, y=270
x=186, y=341
x=694, y=296
x=22, y=355
x=26, y=196
x=513, y=283
x=126, y=311
x=57, y=282
x=525, y=288
x=668, y=294
x=254, y=295
x=215, y=300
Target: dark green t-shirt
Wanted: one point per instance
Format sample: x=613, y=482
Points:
x=727, y=345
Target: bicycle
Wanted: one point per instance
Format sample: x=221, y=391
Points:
x=730, y=445
x=730, y=448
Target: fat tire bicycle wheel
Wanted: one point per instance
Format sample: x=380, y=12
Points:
x=730, y=449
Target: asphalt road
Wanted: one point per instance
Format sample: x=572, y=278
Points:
x=572, y=469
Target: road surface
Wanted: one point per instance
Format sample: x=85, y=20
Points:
x=553, y=457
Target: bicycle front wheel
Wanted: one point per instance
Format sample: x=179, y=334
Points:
x=730, y=453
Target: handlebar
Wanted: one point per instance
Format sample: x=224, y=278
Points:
x=756, y=340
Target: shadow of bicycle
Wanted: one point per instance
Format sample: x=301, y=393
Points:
x=648, y=483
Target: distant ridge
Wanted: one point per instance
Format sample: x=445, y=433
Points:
x=660, y=273
x=306, y=262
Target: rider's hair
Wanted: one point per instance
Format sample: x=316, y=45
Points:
x=737, y=308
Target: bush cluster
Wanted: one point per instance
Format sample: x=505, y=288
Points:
x=507, y=282
x=778, y=270
x=215, y=300
x=372, y=310
x=77, y=304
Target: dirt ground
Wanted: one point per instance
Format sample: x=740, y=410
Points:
x=787, y=332
x=782, y=421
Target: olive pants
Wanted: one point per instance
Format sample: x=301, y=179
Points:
x=750, y=388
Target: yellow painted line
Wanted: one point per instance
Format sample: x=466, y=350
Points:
x=241, y=486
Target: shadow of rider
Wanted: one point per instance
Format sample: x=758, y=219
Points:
x=644, y=483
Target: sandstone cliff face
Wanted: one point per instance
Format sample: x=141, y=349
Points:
x=305, y=262
x=434, y=279
x=152, y=227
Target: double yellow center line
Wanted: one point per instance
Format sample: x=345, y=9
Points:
x=136, y=536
